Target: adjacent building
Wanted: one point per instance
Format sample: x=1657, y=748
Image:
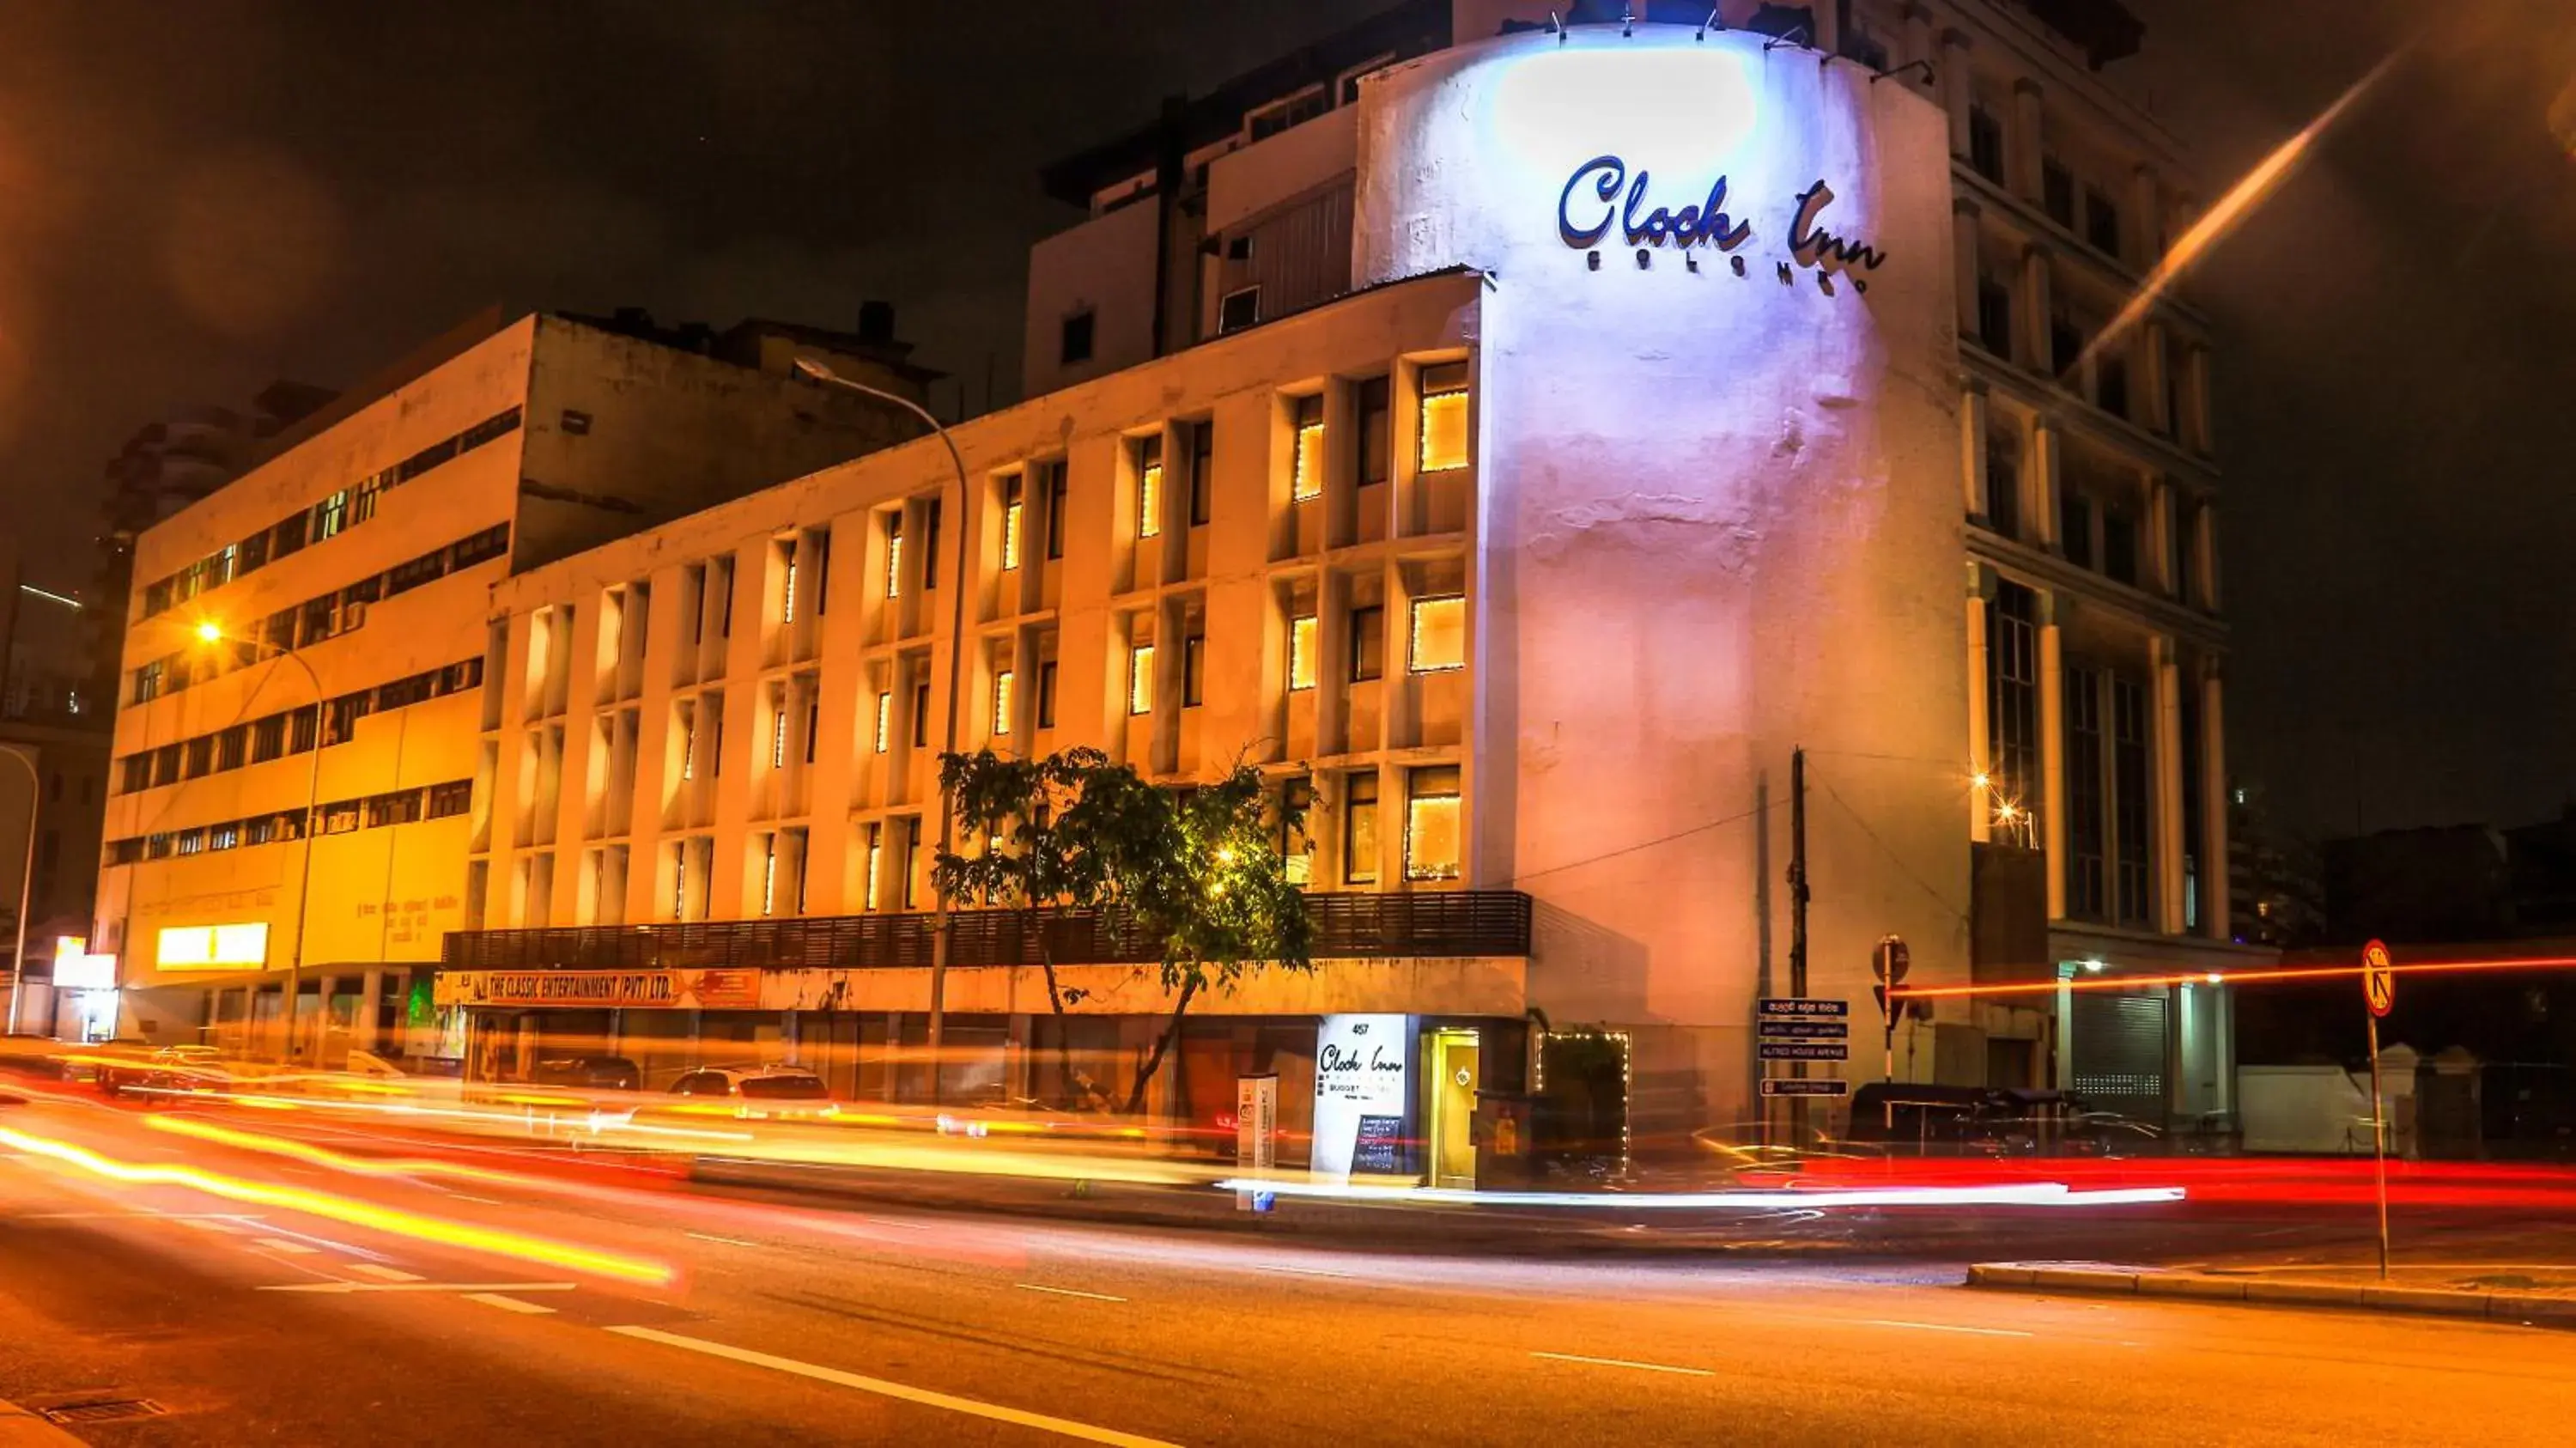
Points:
x=1517, y=434
x=302, y=680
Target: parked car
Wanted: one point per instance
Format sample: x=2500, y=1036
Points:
x=754, y=1083
x=1903, y=1117
x=588, y=1073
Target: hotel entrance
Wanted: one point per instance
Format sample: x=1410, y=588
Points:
x=1456, y=1057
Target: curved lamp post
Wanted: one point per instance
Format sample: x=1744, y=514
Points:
x=211, y=633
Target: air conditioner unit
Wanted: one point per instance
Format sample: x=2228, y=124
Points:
x=353, y=615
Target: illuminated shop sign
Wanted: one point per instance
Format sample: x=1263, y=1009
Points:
x=76, y=969
x=713, y=990
x=1582, y=222
x=1363, y=1094
x=212, y=947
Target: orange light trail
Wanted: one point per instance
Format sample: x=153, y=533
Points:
x=323, y=1156
x=2231, y=210
x=2221, y=977
x=391, y=1220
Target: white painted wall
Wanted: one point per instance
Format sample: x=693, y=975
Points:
x=1721, y=519
x=1105, y=264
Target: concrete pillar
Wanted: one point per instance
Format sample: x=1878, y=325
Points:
x=1829, y=30
x=1957, y=91
x=1972, y=451
x=2161, y=540
x=2168, y=842
x=2213, y=808
x=1963, y=264
x=2047, y=451
x=1916, y=21
x=2148, y=367
x=1981, y=799
x=362, y=1026
x=2205, y=531
x=2035, y=313
x=2052, y=751
x=2023, y=147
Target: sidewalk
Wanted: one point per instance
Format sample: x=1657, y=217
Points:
x=22, y=1429
x=2534, y=1295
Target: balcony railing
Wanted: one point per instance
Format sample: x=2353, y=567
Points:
x=1347, y=926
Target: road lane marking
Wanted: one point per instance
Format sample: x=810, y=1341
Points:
x=728, y=1241
x=507, y=1304
x=380, y=1271
x=291, y=1249
x=1067, y=1292
x=210, y=1224
x=1300, y=1271
x=338, y=1288
x=1945, y=1327
x=923, y=1396
x=486, y=1201
x=1602, y=1362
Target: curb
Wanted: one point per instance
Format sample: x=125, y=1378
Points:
x=2525, y=1308
x=20, y=1428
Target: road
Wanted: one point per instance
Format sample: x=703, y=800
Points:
x=252, y=1322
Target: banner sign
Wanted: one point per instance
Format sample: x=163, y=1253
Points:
x=649, y=990
x=1363, y=1093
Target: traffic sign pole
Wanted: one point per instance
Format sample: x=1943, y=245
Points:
x=2379, y=993
x=1889, y=963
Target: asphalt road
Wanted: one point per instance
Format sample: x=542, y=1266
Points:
x=255, y=1322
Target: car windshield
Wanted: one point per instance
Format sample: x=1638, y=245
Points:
x=785, y=1088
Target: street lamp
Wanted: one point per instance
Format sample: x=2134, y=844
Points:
x=942, y=927
x=26, y=887
x=210, y=632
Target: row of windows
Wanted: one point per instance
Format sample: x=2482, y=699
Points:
x=315, y=619
x=288, y=731
x=340, y=817
x=342, y=510
x=2095, y=217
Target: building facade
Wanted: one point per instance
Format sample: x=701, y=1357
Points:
x=288, y=809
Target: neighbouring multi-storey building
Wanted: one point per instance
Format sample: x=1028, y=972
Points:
x=287, y=819
x=1516, y=434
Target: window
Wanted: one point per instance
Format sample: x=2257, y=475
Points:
x=874, y=855
x=1301, y=652
x=253, y=550
x=1431, y=838
x=818, y=544
x=778, y=738
x=346, y=711
x=1011, y=512
x=894, y=555
x=1377, y=438
x=1193, y=669
x=192, y=842
x=2186, y=536
x=1994, y=317
x=2003, y=479
x=930, y=544
x=1055, y=522
x=224, y=836
x=2086, y=845
x=1986, y=144
x=340, y=818
x=1140, y=679
x=813, y=720
x=2120, y=546
x=693, y=582
x=680, y=898
x=403, y=693
x=2111, y=384
x=201, y=755
x=1439, y=633
x=318, y=615
x=147, y=681
x=455, y=797
x=720, y=577
x=920, y=715
x=1202, y=472
x=2065, y=344
x=304, y=728
x=715, y=735
x=2075, y=525
x=400, y=808
x=135, y=772
x=232, y=747
x=1306, y=465
x=1359, y=828
x=1444, y=417
x=885, y=720
x=2012, y=713
x=1046, y=694
x=2057, y=191
x=491, y=543
x=330, y=515
x=2101, y=222
x=1149, y=487
x=787, y=586
x=1368, y=643
x=1296, y=847
x=1238, y=309
x=1002, y=702
x=1073, y=342
x=688, y=739
x=769, y=873
x=912, y=863
x=268, y=739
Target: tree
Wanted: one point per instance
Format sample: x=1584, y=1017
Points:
x=1199, y=874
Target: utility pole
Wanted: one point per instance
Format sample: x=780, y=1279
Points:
x=1798, y=924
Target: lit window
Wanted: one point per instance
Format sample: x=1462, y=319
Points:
x=1439, y=633
x=1359, y=829
x=1011, y=509
x=875, y=857
x=787, y=595
x=680, y=881
x=1140, y=680
x=1296, y=847
x=1301, y=652
x=1306, y=473
x=769, y=874
x=1431, y=824
x=688, y=742
x=778, y=738
x=885, y=720
x=1193, y=670
x=1444, y=417
x=912, y=863
x=1368, y=643
x=1149, y=488
x=1002, y=702
x=894, y=556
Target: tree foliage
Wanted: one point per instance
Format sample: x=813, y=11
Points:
x=1198, y=873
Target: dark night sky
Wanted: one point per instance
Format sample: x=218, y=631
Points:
x=196, y=198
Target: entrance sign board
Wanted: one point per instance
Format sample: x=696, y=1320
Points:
x=1363, y=1093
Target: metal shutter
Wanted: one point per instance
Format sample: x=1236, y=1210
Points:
x=2119, y=1054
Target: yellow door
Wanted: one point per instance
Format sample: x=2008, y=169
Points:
x=1453, y=1108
